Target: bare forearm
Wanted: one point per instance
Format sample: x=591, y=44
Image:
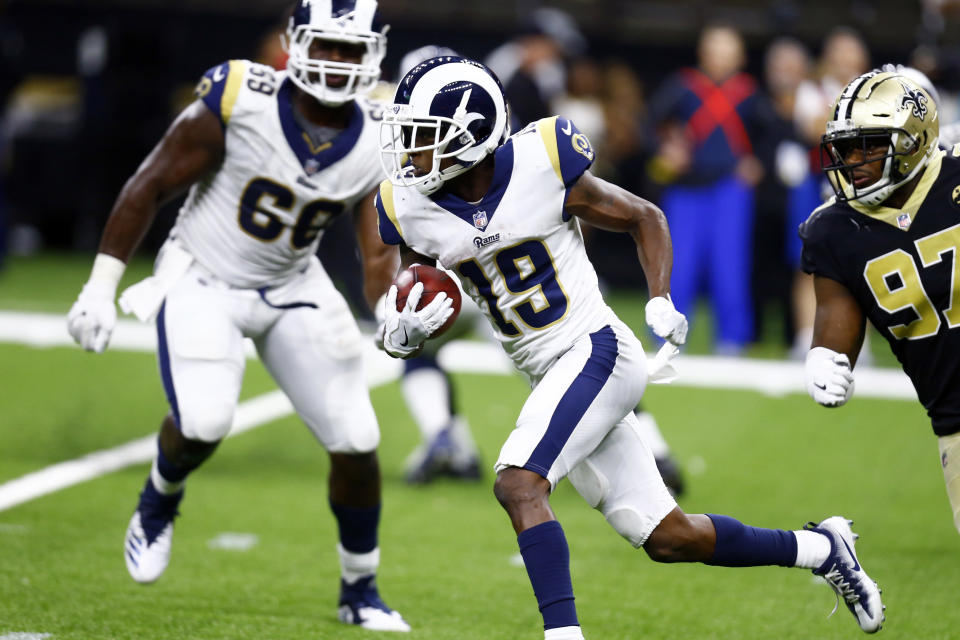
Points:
x=131, y=217
x=607, y=206
x=655, y=250
x=378, y=274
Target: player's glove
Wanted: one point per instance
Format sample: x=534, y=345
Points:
x=829, y=377
x=665, y=321
x=403, y=332
x=93, y=316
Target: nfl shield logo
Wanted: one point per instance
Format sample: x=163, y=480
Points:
x=903, y=220
x=480, y=219
x=311, y=166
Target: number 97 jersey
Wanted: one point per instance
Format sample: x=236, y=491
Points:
x=518, y=254
x=256, y=220
x=902, y=266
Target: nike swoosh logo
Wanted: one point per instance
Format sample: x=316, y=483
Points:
x=856, y=565
x=405, y=338
x=822, y=387
x=219, y=75
x=567, y=129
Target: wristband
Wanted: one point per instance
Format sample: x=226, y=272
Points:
x=106, y=273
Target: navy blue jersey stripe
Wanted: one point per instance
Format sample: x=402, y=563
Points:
x=576, y=400
x=163, y=355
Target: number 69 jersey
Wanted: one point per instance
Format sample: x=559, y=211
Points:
x=902, y=266
x=519, y=255
x=257, y=219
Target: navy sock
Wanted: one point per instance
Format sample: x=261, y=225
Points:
x=547, y=558
x=739, y=545
x=358, y=527
x=170, y=472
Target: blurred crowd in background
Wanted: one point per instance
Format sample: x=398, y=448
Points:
x=720, y=125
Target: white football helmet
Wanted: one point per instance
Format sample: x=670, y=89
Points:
x=451, y=106
x=347, y=21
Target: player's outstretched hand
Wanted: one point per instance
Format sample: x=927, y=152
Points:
x=829, y=377
x=665, y=321
x=404, y=331
x=92, y=318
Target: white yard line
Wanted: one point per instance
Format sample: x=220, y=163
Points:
x=49, y=330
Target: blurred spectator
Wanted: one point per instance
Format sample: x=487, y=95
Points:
x=582, y=101
x=706, y=120
x=844, y=57
x=531, y=66
x=789, y=190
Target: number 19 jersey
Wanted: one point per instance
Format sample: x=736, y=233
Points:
x=256, y=220
x=518, y=254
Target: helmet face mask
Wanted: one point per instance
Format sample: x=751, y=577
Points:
x=883, y=132
x=859, y=162
x=329, y=24
x=450, y=107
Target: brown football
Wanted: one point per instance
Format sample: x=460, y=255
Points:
x=434, y=281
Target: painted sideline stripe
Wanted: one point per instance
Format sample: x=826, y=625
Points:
x=772, y=377
x=48, y=330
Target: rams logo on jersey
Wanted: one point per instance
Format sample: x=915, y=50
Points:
x=203, y=87
x=582, y=146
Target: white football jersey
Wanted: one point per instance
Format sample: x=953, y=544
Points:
x=256, y=220
x=519, y=255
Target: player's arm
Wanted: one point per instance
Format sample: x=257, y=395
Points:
x=607, y=206
x=379, y=259
x=191, y=147
x=409, y=257
x=838, y=331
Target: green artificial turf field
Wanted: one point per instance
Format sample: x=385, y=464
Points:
x=448, y=551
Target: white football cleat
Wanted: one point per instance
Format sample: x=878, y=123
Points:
x=360, y=604
x=843, y=572
x=146, y=548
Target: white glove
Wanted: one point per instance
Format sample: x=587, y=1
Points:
x=93, y=316
x=666, y=321
x=404, y=331
x=829, y=377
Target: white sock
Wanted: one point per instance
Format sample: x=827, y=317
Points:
x=812, y=549
x=354, y=566
x=563, y=633
x=427, y=394
x=464, y=448
x=161, y=484
x=650, y=433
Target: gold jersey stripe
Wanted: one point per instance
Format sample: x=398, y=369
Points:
x=386, y=199
x=548, y=131
x=232, y=89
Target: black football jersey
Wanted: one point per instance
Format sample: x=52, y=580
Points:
x=903, y=267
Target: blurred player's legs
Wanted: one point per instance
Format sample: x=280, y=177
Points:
x=447, y=447
x=668, y=467
x=315, y=357
x=201, y=360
